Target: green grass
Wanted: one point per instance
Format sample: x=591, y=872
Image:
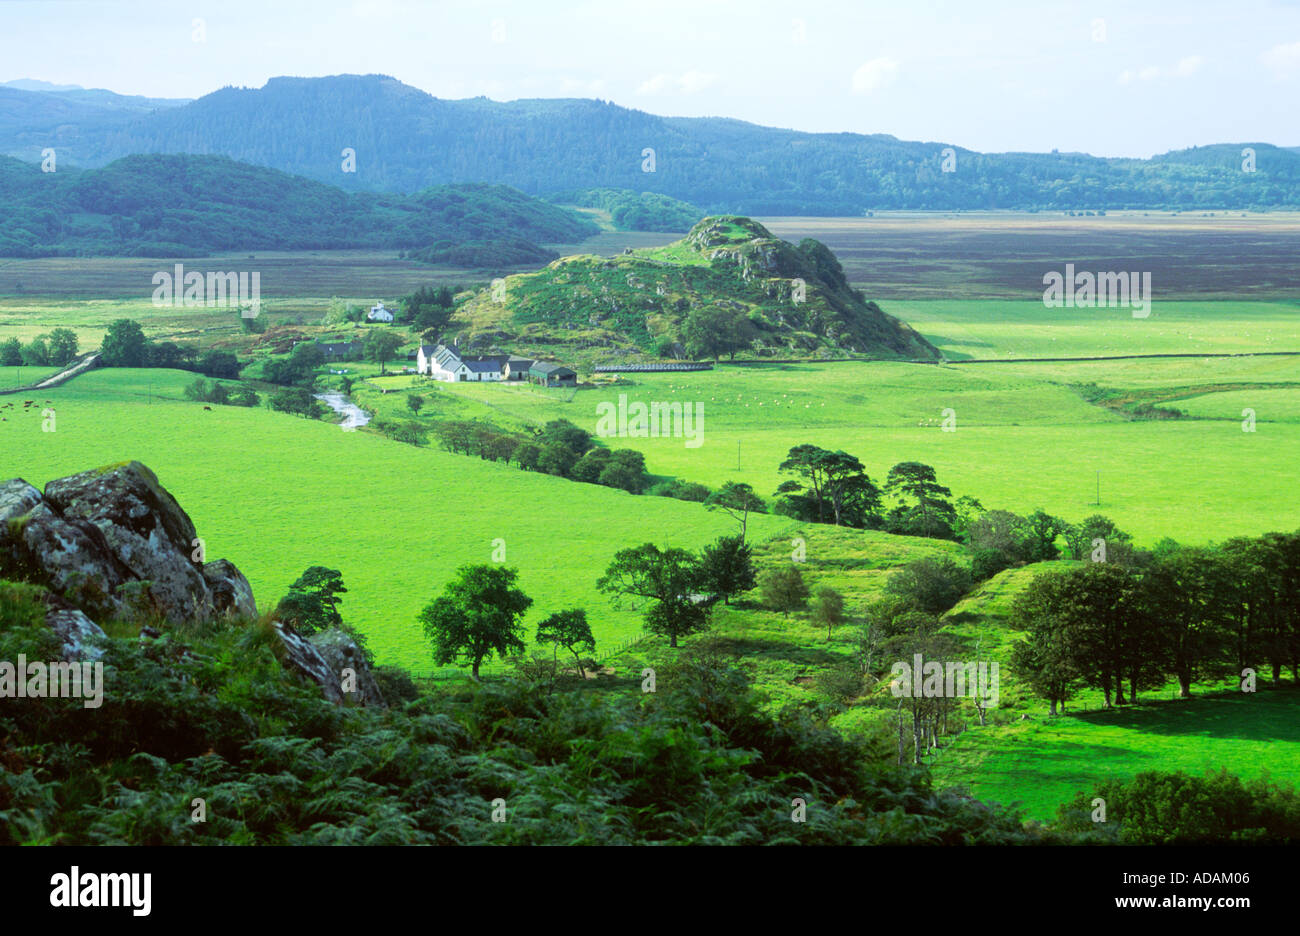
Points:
x=1270, y=406
x=1024, y=438
x=276, y=493
x=1011, y=328
x=12, y=377
x=1043, y=761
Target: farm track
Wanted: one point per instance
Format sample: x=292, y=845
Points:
x=63, y=376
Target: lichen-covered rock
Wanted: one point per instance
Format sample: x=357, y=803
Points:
x=113, y=541
x=301, y=657
x=341, y=652
x=231, y=593
x=146, y=531
x=73, y=559
x=17, y=498
x=79, y=634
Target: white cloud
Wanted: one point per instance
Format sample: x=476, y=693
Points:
x=873, y=75
x=691, y=82
x=1186, y=67
x=1283, y=59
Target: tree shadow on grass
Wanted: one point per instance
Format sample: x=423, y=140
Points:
x=1272, y=714
x=763, y=648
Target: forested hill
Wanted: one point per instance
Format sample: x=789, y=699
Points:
x=406, y=140
x=162, y=206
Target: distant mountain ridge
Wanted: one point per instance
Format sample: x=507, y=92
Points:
x=406, y=140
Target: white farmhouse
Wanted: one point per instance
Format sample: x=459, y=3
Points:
x=379, y=314
x=443, y=363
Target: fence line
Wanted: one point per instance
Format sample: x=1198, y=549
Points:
x=651, y=368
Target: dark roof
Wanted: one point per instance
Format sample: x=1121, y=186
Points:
x=545, y=369
x=429, y=349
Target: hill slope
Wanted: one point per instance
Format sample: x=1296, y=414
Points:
x=182, y=205
x=643, y=298
x=300, y=125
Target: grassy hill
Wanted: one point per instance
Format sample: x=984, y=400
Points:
x=640, y=299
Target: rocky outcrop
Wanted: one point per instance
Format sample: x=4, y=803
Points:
x=231, y=593
x=342, y=653
x=112, y=541
x=299, y=656
x=322, y=659
x=79, y=634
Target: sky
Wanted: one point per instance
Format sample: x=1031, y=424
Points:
x=1109, y=78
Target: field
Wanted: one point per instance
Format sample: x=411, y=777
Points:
x=275, y=494
x=1044, y=761
x=999, y=329
x=1023, y=438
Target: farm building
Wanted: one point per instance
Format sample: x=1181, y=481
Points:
x=517, y=368
x=485, y=366
x=340, y=350
x=443, y=363
x=379, y=314
x=552, y=375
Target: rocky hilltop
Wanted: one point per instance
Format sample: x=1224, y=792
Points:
x=785, y=300
x=113, y=544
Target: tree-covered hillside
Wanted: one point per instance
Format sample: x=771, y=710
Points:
x=406, y=140
x=632, y=211
x=186, y=205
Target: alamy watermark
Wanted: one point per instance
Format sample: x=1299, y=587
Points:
x=60, y=680
x=637, y=420
x=88, y=889
x=1085, y=290
x=241, y=290
x=936, y=679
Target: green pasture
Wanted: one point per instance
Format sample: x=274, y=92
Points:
x=12, y=377
x=1022, y=440
x=1024, y=328
x=276, y=493
x=1043, y=761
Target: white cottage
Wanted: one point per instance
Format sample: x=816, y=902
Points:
x=443, y=363
x=379, y=314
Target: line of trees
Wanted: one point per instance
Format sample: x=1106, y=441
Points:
x=834, y=487
x=125, y=345
x=479, y=614
x=559, y=448
x=216, y=392
x=1186, y=612
x=54, y=349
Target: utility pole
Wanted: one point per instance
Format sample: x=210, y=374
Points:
x=1099, y=488
x=737, y=454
